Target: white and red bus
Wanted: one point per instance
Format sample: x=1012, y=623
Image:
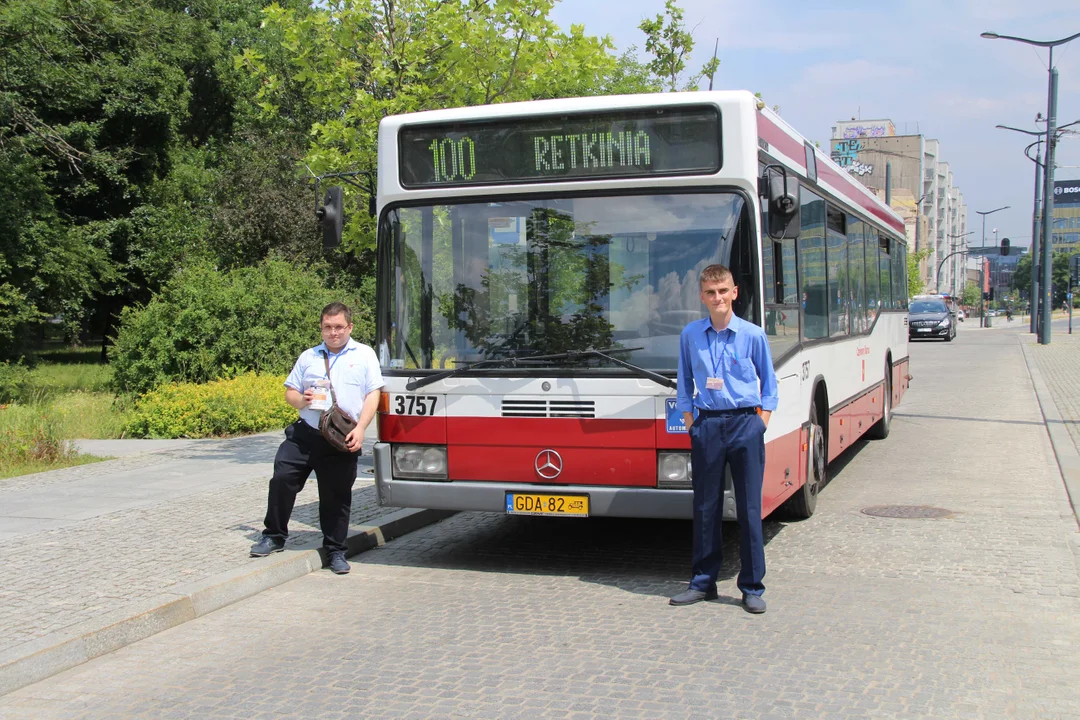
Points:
x=537, y=262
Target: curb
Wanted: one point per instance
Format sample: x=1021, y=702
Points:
x=39, y=659
x=1068, y=458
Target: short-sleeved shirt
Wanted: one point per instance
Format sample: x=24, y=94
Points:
x=354, y=372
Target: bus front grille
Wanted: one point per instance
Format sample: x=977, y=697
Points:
x=549, y=408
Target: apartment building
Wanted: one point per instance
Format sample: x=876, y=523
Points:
x=923, y=191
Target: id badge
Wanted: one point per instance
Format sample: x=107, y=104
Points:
x=714, y=383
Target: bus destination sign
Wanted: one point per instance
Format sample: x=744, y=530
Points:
x=634, y=143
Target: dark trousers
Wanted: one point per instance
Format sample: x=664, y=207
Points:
x=305, y=450
x=718, y=440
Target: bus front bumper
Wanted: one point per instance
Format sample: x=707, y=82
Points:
x=491, y=496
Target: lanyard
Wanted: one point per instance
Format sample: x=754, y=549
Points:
x=717, y=359
x=336, y=357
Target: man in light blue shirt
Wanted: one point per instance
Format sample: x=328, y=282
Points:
x=356, y=378
x=726, y=378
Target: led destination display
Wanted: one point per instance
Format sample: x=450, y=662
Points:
x=637, y=143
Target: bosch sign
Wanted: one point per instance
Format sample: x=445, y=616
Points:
x=1067, y=192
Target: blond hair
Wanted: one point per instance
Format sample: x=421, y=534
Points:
x=716, y=273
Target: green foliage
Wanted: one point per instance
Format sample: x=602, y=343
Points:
x=1021, y=279
x=14, y=378
x=670, y=44
x=30, y=436
x=914, y=276
x=207, y=324
x=114, y=121
x=244, y=404
x=972, y=296
x=357, y=62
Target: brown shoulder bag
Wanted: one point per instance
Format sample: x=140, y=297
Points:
x=335, y=423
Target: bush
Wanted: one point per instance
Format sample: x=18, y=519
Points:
x=14, y=379
x=206, y=325
x=245, y=404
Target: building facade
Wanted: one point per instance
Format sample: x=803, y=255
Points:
x=922, y=191
x=1066, y=227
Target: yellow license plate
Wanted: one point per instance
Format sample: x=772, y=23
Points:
x=536, y=504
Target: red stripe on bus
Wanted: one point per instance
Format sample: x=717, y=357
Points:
x=777, y=137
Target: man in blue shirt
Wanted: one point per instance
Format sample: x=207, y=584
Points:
x=726, y=377
x=356, y=378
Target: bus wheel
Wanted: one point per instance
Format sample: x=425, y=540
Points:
x=802, y=504
x=880, y=429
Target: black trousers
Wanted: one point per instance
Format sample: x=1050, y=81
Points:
x=305, y=450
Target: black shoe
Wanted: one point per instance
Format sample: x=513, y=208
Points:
x=266, y=546
x=337, y=563
x=753, y=603
x=691, y=596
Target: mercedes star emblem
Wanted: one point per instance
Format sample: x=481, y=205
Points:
x=548, y=464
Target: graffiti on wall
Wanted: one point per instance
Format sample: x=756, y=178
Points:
x=845, y=153
x=858, y=131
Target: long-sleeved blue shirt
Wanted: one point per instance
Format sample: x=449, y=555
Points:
x=739, y=355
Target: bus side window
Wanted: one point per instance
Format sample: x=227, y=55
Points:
x=885, y=273
x=857, y=275
x=837, y=258
x=812, y=268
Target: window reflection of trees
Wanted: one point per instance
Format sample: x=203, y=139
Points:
x=520, y=278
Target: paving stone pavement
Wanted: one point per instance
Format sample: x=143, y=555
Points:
x=975, y=615
x=56, y=578
x=1059, y=363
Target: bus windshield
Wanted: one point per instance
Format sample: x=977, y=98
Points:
x=478, y=281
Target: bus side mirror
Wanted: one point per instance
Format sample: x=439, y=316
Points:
x=331, y=216
x=782, y=196
x=1005, y=246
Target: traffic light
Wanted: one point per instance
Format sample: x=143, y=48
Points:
x=1005, y=246
x=331, y=215
x=1074, y=270
x=986, y=297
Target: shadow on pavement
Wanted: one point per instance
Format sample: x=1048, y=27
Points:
x=642, y=556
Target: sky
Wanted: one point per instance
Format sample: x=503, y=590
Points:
x=920, y=64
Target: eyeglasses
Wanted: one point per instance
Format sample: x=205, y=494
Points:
x=335, y=328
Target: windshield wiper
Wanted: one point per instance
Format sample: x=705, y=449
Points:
x=603, y=354
x=494, y=362
x=533, y=359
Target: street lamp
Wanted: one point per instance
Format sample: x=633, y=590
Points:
x=982, y=271
x=1048, y=185
x=952, y=254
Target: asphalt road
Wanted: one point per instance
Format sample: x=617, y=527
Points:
x=974, y=614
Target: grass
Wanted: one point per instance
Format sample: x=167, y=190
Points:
x=63, y=397
x=10, y=471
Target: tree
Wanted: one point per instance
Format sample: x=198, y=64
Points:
x=972, y=295
x=114, y=118
x=1059, y=274
x=357, y=62
x=916, y=286
x=670, y=44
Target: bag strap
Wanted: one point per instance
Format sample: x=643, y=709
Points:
x=326, y=359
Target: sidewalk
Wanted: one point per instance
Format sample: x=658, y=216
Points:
x=1055, y=373
x=90, y=548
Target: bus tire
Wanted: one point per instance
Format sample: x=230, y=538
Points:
x=802, y=504
x=880, y=429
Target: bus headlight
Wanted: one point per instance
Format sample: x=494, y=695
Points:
x=423, y=462
x=673, y=470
